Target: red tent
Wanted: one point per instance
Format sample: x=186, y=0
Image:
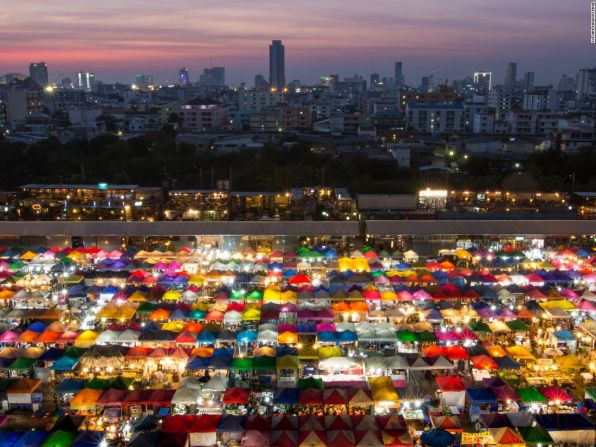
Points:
x=335, y=397
x=235, y=395
x=450, y=383
x=178, y=424
x=341, y=438
x=310, y=396
x=284, y=439
x=284, y=422
x=434, y=351
x=162, y=398
x=299, y=279
x=484, y=362
x=554, y=394
x=457, y=352
x=257, y=422
x=338, y=423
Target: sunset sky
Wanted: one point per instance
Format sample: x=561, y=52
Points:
x=116, y=39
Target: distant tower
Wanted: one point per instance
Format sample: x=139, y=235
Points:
x=511, y=75
x=277, y=65
x=183, y=78
x=399, y=80
x=483, y=81
x=85, y=80
x=38, y=71
x=528, y=80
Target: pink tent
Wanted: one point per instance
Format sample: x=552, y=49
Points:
x=8, y=337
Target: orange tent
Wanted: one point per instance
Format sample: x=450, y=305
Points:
x=159, y=314
x=85, y=399
x=28, y=337
x=48, y=336
x=288, y=337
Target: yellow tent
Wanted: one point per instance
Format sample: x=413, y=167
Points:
x=569, y=362
x=287, y=338
x=109, y=311
x=344, y=264
x=85, y=339
x=173, y=326
x=196, y=280
x=85, y=399
x=251, y=315
x=272, y=295
x=329, y=351
x=171, y=295
x=137, y=296
x=28, y=256
x=520, y=353
x=288, y=296
x=389, y=295
x=463, y=253
x=287, y=362
x=383, y=391
x=558, y=304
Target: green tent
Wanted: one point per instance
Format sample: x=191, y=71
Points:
x=74, y=351
x=310, y=382
x=6, y=384
x=302, y=250
x=264, y=363
x=197, y=314
x=590, y=393
x=22, y=363
x=243, y=364
x=406, y=336
x=518, y=326
x=255, y=295
x=60, y=439
x=98, y=384
x=479, y=326
x=530, y=395
x=535, y=435
x=426, y=336
x=237, y=295
x=121, y=383
x=147, y=306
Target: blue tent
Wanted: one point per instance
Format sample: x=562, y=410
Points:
x=197, y=363
x=38, y=326
x=506, y=363
x=564, y=334
x=286, y=396
x=32, y=439
x=246, y=337
x=223, y=352
x=565, y=421
x=347, y=337
x=89, y=438
x=51, y=355
x=307, y=327
x=8, y=438
x=206, y=337
x=222, y=362
x=145, y=439
x=327, y=337
x=71, y=386
x=437, y=437
x=231, y=424
x=65, y=363
x=145, y=422
x=481, y=395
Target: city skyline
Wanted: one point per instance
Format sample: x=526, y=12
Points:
x=319, y=39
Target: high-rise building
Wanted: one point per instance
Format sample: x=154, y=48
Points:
x=511, y=75
x=566, y=84
x=143, y=80
x=183, y=78
x=427, y=84
x=375, y=80
x=86, y=80
x=214, y=77
x=38, y=71
x=483, y=81
x=586, y=85
x=399, y=80
x=261, y=83
x=528, y=82
x=277, y=68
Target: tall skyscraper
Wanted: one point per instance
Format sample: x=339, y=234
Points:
x=85, y=80
x=277, y=65
x=143, y=80
x=586, y=85
x=215, y=76
x=483, y=81
x=427, y=84
x=528, y=82
x=399, y=80
x=511, y=75
x=38, y=71
x=183, y=78
x=566, y=84
x=375, y=80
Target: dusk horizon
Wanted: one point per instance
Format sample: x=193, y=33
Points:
x=319, y=39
